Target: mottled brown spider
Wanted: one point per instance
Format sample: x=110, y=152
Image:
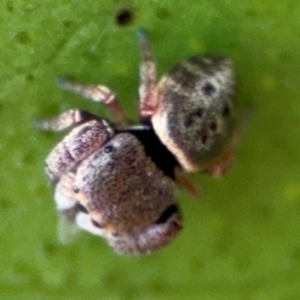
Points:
x=117, y=180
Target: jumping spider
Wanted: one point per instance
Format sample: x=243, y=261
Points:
x=117, y=180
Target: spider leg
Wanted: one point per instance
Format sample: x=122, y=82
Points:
x=148, y=78
x=187, y=184
x=65, y=120
x=82, y=141
x=97, y=93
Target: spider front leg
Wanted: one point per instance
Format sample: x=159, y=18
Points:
x=148, y=78
x=65, y=120
x=97, y=93
x=82, y=141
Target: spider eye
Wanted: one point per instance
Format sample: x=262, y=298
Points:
x=208, y=89
x=108, y=149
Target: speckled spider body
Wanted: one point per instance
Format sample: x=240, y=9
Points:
x=117, y=180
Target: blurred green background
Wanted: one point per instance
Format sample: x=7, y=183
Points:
x=242, y=238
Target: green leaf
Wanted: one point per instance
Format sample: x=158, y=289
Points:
x=241, y=239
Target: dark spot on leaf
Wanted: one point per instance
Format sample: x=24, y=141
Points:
x=91, y=56
x=250, y=12
x=9, y=6
x=5, y=204
x=295, y=255
x=208, y=89
x=124, y=17
x=21, y=268
x=263, y=211
x=162, y=13
x=157, y=286
x=284, y=57
x=49, y=248
x=29, y=78
x=22, y=37
x=28, y=157
x=67, y=23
